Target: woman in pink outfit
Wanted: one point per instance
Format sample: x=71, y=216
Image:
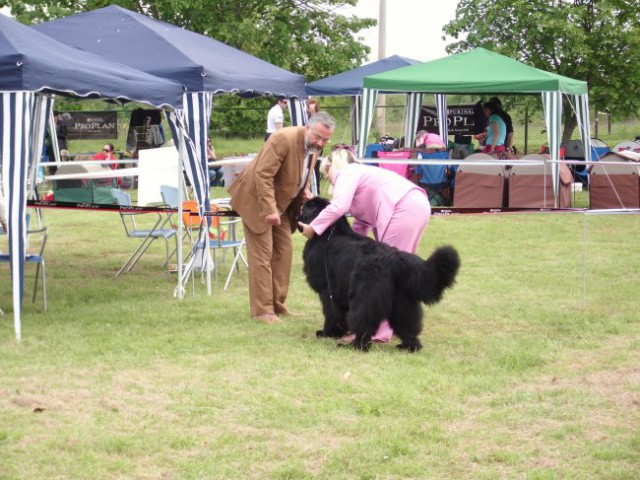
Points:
x=395, y=209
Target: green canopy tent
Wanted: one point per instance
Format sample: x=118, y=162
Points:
x=484, y=72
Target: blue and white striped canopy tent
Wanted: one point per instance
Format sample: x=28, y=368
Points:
x=349, y=83
x=33, y=68
x=203, y=65
x=484, y=72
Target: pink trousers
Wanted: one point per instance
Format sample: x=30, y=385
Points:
x=409, y=220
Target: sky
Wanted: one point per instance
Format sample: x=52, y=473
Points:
x=414, y=27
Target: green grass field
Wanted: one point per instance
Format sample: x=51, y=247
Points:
x=521, y=375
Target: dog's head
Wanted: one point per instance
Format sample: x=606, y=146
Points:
x=311, y=209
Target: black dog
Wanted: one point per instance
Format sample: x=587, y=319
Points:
x=361, y=282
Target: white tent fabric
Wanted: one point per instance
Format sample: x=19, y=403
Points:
x=412, y=115
x=354, y=115
x=43, y=111
x=584, y=124
x=441, y=108
x=192, y=124
x=369, y=97
x=298, y=111
x=552, y=102
x=17, y=112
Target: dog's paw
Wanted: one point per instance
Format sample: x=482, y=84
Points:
x=321, y=334
x=409, y=348
x=356, y=345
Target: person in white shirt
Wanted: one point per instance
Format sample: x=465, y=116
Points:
x=275, y=118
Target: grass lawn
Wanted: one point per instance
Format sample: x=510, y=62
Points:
x=521, y=376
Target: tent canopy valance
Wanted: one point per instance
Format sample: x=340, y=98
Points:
x=350, y=82
x=198, y=62
x=476, y=71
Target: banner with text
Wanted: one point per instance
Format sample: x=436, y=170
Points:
x=91, y=125
x=460, y=119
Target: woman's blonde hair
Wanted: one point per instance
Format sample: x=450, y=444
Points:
x=338, y=159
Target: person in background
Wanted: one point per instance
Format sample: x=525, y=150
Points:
x=431, y=141
x=496, y=130
x=506, y=118
x=61, y=136
x=275, y=117
x=215, y=173
x=397, y=210
x=268, y=195
x=108, y=153
x=313, y=107
x=62, y=131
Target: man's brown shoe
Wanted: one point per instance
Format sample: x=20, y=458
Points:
x=268, y=318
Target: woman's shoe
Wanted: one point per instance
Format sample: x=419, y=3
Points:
x=384, y=333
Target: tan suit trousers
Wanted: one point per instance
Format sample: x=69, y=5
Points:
x=269, y=255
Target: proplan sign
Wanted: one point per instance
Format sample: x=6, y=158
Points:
x=91, y=125
x=460, y=120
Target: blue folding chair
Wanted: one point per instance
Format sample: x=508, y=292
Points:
x=148, y=235
x=437, y=180
x=36, y=242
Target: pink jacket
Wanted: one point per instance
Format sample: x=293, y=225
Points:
x=369, y=193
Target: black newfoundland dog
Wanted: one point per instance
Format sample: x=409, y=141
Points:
x=361, y=282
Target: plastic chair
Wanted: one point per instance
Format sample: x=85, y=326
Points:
x=37, y=246
x=223, y=235
x=399, y=168
x=372, y=150
x=148, y=235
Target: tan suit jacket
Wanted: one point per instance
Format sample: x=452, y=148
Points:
x=269, y=184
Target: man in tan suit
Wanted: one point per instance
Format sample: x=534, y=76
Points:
x=268, y=195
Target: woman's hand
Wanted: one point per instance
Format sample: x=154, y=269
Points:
x=307, y=231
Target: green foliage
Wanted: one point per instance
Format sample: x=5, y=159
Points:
x=293, y=34
x=242, y=118
x=597, y=41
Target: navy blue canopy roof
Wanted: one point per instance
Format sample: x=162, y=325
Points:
x=32, y=61
x=196, y=61
x=350, y=82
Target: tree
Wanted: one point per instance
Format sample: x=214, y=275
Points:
x=302, y=36
x=593, y=40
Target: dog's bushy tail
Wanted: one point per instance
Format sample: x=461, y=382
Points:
x=438, y=273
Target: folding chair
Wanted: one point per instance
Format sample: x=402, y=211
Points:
x=399, y=168
x=435, y=179
x=37, y=241
x=148, y=235
x=224, y=235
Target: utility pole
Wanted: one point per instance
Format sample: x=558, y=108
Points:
x=382, y=53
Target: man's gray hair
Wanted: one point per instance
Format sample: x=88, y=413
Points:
x=324, y=118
